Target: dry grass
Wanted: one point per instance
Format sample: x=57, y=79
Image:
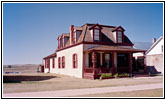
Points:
x=61, y=82
x=142, y=93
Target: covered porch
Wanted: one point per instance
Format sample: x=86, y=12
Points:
x=108, y=59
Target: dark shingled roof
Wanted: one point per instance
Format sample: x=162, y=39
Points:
x=107, y=34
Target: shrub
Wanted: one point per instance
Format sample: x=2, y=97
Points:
x=106, y=75
x=123, y=74
x=116, y=75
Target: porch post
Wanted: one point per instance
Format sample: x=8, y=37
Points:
x=144, y=62
x=94, y=61
x=113, y=64
x=130, y=62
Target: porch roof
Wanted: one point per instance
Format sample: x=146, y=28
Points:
x=114, y=48
x=49, y=56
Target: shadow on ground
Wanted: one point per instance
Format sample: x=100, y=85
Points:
x=19, y=79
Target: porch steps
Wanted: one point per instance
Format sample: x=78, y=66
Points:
x=91, y=76
x=88, y=76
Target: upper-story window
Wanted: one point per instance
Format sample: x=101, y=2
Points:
x=76, y=35
x=96, y=33
x=119, y=37
x=119, y=34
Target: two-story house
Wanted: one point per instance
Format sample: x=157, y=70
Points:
x=90, y=50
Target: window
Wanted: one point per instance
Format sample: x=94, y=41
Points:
x=76, y=35
x=96, y=34
x=59, y=62
x=63, y=62
x=107, y=60
x=53, y=62
x=47, y=62
x=74, y=60
x=119, y=37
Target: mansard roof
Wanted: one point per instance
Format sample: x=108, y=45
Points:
x=107, y=34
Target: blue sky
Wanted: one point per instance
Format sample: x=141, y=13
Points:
x=30, y=30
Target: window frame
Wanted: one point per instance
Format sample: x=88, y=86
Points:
x=117, y=35
x=93, y=28
x=59, y=62
x=75, y=61
x=63, y=61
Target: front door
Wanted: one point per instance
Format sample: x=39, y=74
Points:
x=123, y=62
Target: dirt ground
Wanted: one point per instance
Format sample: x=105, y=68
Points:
x=142, y=93
x=51, y=82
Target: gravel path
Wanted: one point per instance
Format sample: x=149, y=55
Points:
x=75, y=92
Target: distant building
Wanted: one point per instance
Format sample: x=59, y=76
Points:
x=154, y=55
x=139, y=58
x=90, y=50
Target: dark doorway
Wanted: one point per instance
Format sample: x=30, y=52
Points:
x=123, y=62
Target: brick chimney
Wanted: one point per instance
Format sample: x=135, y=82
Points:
x=153, y=40
x=71, y=34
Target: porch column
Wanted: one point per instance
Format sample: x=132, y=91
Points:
x=130, y=62
x=113, y=64
x=94, y=61
x=144, y=62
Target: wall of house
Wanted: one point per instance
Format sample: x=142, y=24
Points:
x=156, y=49
x=156, y=61
x=46, y=70
x=68, y=54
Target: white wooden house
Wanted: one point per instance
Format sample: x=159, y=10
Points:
x=91, y=49
x=154, y=55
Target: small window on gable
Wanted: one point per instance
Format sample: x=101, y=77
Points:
x=76, y=35
x=119, y=37
x=96, y=35
x=95, y=32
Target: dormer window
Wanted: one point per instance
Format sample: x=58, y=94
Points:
x=96, y=33
x=119, y=37
x=119, y=34
x=76, y=35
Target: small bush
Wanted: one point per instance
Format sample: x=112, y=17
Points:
x=106, y=75
x=116, y=75
x=123, y=74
